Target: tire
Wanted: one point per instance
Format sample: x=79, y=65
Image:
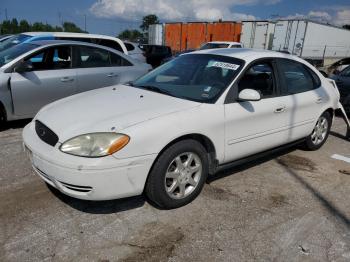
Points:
x=2, y=119
x=178, y=175
x=320, y=133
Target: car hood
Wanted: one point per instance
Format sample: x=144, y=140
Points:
x=106, y=109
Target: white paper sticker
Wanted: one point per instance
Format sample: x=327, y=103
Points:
x=207, y=89
x=226, y=65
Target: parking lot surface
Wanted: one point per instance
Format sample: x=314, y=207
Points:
x=292, y=206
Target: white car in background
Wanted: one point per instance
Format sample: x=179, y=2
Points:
x=135, y=51
x=170, y=129
x=28, y=37
x=221, y=44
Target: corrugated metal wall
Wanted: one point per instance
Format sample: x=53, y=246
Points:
x=173, y=36
x=183, y=36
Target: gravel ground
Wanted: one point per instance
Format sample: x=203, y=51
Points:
x=292, y=206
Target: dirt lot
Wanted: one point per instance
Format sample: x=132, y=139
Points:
x=293, y=206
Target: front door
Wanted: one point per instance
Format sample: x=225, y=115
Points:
x=256, y=126
x=51, y=78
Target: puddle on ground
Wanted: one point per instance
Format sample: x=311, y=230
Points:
x=277, y=200
x=297, y=163
x=154, y=242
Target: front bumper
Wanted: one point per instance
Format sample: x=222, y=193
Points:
x=87, y=178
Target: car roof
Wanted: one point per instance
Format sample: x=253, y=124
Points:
x=80, y=35
x=71, y=42
x=246, y=54
x=68, y=34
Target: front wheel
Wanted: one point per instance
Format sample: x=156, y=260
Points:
x=178, y=175
x=320, y=133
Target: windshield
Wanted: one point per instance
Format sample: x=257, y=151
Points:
x=11, y=53
x=214, y=46
x=196, y=77
x=13, y=40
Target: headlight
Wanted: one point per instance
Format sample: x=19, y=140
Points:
x=95, y=144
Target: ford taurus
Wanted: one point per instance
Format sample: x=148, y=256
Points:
x=163, y=134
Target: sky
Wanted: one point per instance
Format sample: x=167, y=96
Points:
x=112, y=16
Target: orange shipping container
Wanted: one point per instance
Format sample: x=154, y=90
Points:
x=173, y=36
x=183, y=36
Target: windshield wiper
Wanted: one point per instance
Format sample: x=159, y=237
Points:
x=156, y=89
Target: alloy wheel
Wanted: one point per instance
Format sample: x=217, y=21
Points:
x=320, y=131
x=183, y=175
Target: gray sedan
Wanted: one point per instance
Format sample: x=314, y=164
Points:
x=35, y=74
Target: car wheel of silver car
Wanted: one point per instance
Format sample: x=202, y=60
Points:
x=320, y=132
x=2, y=118
x=178, y=175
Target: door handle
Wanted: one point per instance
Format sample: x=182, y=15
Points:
x=67, y=79
x=112, y=75
x=319, y=100
x=280, y=109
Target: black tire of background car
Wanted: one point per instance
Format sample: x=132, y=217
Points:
x=2, y=118
x=309, y=145
x=155, y=189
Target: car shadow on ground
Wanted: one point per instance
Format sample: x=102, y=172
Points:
x=14, y=124
x=100, y=207
x=332, y=133
x=328, y=204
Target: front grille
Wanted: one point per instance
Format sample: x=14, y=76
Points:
x=45, y=133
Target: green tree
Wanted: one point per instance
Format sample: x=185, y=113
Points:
x=131, y=35
x=71, y=27
x=6, y=27
x=13, y=27
x=147, y=21
x=24, y=26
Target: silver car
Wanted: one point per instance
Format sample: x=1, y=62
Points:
x=35, y=74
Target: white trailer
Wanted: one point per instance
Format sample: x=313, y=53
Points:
x=311, y=40
x=257, y=34
x=156, y=34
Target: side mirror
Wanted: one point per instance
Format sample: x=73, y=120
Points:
x=23, y=66
x=249, y=95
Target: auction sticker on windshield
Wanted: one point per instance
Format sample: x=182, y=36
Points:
x=226, y=65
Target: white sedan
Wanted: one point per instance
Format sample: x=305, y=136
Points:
x=163, y=134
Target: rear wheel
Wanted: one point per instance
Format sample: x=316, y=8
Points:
x=320, y=133
x=2, y=118
x=178, y=175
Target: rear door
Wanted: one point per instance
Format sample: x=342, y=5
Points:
x=97, y=67
x=305, y=98
x=51, y=78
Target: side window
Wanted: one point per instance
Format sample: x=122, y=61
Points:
x=62, y=57
x=111, y=44
x=129, y=47
x=260, y=77
x=297, y=77
x=117, y=60
x=92, y=57
x=52, y=58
